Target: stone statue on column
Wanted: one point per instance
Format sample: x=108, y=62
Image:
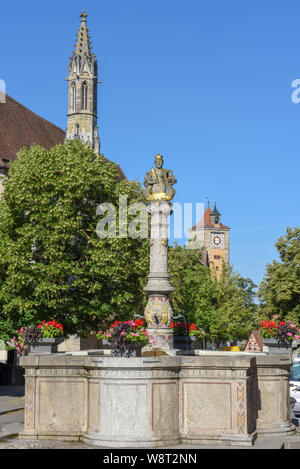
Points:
x=159, y=192
x=159, y=182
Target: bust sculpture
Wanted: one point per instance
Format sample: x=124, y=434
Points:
x=159, y=182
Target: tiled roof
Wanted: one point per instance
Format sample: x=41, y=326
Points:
x=20, y=127
x=205, y=222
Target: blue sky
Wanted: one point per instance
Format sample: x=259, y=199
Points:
x=206, y=83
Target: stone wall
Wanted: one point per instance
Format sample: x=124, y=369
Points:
x=156, y=401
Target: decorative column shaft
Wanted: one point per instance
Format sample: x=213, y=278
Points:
x=158, y=312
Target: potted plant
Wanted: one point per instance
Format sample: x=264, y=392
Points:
x=126, y=338
x=43, y=338
x=18, y=341
x=187, y=336
x=279, y=338
x=52, y=336
x=25, y=339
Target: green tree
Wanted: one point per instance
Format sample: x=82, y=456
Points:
x=279, y=292
x=235, y=312
x=52, y=263
x=194, y=289
x=225, y=307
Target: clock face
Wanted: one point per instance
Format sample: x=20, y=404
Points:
x=217, y=240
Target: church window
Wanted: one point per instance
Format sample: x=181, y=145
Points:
x=84, y=95
x=73, y=96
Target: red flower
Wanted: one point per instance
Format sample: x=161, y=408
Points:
x=139, y=322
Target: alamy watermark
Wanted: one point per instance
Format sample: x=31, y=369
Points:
x=295, y=97
x=133, y=220
x=2, y=91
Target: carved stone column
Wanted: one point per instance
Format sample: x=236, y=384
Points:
x=158, y=312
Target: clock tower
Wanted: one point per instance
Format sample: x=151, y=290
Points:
x=214, y=236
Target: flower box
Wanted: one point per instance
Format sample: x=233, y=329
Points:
x=272, y=347
x=125, y=338
x=187, y=342
x=135, y=350
x=47, y=345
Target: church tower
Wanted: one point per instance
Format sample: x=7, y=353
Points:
x=82, y=90
x=214, y=236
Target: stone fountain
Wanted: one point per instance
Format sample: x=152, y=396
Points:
x=211, y=397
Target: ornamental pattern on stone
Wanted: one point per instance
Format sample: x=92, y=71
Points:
x=158, y=312
x=241, y=408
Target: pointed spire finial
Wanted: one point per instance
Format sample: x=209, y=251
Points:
x=83, y=43
x=215, y=211
x=83, y=15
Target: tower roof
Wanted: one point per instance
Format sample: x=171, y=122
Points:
x=83, y=41
x=205, y=221
x=215, y=211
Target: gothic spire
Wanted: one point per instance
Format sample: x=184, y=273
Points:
x=82, y=90
x=83, y=42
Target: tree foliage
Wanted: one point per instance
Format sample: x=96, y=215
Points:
x=279, y=292
x=54, y=266
x=235, y=312
x=52, y=263
x=225, y=307
x=194, y=290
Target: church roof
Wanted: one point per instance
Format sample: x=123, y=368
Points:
x=206, y=223
x=20, y=127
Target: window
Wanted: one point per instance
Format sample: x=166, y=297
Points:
x=84, y=95
x=73, y=96
x=217, y=257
